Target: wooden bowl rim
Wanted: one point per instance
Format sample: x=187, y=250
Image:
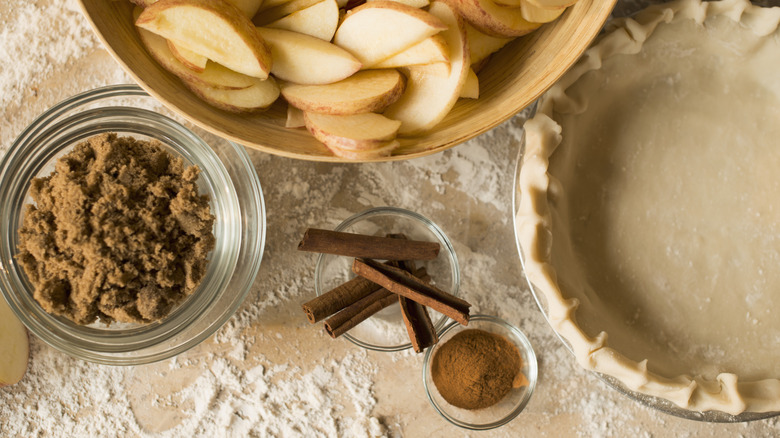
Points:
x=600, y=9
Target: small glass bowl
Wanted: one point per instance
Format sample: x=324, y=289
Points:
x=385, y=330
x=227, y=176
x=510, y=406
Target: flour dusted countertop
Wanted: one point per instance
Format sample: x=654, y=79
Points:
x=267, y=372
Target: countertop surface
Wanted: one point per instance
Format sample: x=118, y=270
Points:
x=268, y=372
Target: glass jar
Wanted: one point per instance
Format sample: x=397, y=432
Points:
x=236, y=200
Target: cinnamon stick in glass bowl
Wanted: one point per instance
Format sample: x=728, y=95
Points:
x=405, y=284
x=364, y=308
x=385, y=330
x=372, y=247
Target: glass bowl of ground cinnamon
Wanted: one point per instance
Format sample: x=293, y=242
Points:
x=129, y=235
x=480, y=376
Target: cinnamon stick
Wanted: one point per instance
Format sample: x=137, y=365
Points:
x=346, y=294
x=353, y=315
x=402, y=283
x=338, y=298
x=418, y=324
x=361, y=245
x=364, y=308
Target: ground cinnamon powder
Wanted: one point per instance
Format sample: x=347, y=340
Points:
x=118, y=232
x=475, y=369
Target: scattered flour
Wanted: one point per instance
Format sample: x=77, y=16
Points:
x=265, y=400
x=267, y=372
x=38, y=39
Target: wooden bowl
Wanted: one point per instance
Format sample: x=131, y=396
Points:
x=513, y=78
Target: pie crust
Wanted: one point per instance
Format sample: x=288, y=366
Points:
x=649, y=205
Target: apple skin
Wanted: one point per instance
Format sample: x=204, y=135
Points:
x=247, y=7
x=364, y=92
x=357, y=132
x=492, y=19
x=189, y=59
x=258, y=97
x=214, y=75
x=381, y=151
x=208, y=28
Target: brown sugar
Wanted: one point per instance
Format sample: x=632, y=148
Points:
x=118, y=232
x=475, y=369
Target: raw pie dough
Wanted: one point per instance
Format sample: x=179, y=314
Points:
x=649, y=213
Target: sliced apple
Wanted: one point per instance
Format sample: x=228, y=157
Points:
x=363, y=92
x=215, y=30
x=357, y=132
x=552, y=4
x=470, y=88
x=430, y=50
x=270, y=15
x=319, y=20
x=258, y=97
x=412, y=3
x=143, y=3
x=304, y=59
x=248, y=7
x=380, y=29
x=190, y=59
x=493, y=19
x=431, y=91
x=213, y=75
x=294, y=118
x=383, y=150
x=14, y=347
x=535, y=14
x=481, y=45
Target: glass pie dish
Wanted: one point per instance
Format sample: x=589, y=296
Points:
x=648, y=246
x=657, y=403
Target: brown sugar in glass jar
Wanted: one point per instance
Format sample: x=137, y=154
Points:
x=118, y=232
x=227, y=175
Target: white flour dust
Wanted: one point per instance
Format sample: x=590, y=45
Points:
x=40, y=42
x=265, y=400
x=38, y=39
x=267, y=372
